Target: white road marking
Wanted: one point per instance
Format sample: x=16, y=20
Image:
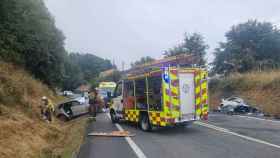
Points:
x=139, y=153
x=236, y=134
x=250, y=117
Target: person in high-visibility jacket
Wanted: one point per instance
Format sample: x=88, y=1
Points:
x=47, y=108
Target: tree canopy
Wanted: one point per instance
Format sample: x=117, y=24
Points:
x=29, y=38
x=249, y=46
x=143, y=60
x=193, y=44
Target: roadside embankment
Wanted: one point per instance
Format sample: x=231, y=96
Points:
x=23, y=134
x=260, y=89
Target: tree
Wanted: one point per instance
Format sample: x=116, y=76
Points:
x=193, y=44
x=29, y=38
x=113, y=76
x=90, y=65
x=143, y=60
x=83, y=68
x=249, y=46
x=73, y=77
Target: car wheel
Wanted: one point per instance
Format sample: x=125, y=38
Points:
x=114, y=118
x=145, y=123
x=62, y=118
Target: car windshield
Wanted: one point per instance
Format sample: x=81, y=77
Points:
x=103, y=93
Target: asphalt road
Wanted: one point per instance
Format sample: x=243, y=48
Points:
x=222, y=136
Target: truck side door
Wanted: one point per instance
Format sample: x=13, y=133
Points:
x=118, y=98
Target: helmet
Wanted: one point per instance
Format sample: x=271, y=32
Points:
x=44, y=98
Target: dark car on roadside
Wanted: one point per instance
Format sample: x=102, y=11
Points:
x=242, y=109
x=239, y=109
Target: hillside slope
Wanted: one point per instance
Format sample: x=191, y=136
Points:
x=260, y=89
x=23, y=134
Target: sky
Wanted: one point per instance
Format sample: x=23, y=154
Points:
x=126, y=30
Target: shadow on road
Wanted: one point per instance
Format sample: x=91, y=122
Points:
x=174, y=130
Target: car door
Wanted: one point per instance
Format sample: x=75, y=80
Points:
x=118, y=98
x=76, y=108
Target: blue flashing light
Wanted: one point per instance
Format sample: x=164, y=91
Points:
x=166, y=77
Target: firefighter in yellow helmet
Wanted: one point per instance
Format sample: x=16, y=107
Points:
x=47, y=109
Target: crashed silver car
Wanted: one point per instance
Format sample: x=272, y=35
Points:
x=236, y=105
x=71, y=109
x=233, y=101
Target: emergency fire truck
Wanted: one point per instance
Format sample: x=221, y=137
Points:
x=163, y=93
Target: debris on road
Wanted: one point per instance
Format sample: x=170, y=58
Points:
x=92, y=118
x=112, y=134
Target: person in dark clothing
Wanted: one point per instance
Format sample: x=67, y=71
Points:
x=95, y=103
x=92, y=103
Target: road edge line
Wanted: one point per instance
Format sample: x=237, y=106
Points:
x=139, y=153
x=255, y=118
x=236, y=134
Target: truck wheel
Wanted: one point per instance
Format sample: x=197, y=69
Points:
x=145, y=123
x=114, y=118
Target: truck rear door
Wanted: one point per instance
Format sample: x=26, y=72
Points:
x=187, y=95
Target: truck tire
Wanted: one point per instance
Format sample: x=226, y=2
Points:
x=113, y=116
x=145, y=124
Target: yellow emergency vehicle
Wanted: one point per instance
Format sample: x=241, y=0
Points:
x=161, y=94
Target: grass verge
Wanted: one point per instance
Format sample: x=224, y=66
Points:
x=68, y=144
x=22, y=133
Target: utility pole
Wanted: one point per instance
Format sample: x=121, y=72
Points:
x=123, y=64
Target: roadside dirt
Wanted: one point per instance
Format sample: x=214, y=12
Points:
x=22, y=133
x=23, y=137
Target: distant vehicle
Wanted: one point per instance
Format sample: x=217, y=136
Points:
x=105, y=87
x=233, y=101
x=70, y=109
x=105, y=90
x=67, y=93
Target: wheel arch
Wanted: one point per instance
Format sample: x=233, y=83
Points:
x=59, y=116
x=142, y=113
